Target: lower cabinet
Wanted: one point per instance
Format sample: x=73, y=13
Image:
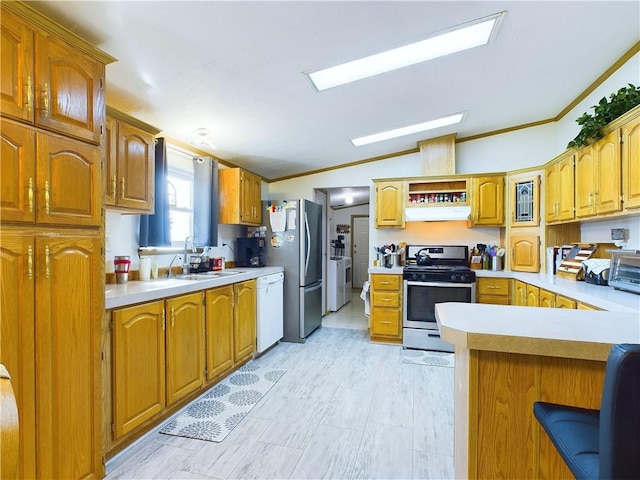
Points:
x=547, y=299
x=565, y=302
x=165, y=351
x=525, y=295
x=386, y=307
x=493, y=290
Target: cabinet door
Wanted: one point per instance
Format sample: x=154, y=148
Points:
x=386, y=322
x=552, y=187
x=184, y=346
x=608, y=192
x=488, y=201
x=520, y=297
x=584, y=176
x=17, y=68
x=565, y=209
x=547, y=299
x=138, y=365
x=256, y=189
x=565, y=302
x=110, y=178
x=244, y=320
x=135, y=168
x=69, y=182
x=631, y=164
x=390, y=204
x=17, y=273
x=69, y=276
x=246, y=197
x=219, y=331
x=525, y=253
x=17, y=173
x=533, y=294
x=69, y=96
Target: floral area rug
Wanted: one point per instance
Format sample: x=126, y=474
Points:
x=214, y=415
x=426, y=357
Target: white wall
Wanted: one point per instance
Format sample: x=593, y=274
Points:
x=343, y=216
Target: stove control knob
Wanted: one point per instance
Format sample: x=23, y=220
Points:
x=453, y=277
x=423, y=277
x=463, y=278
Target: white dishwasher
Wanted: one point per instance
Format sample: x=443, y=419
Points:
x=270, y=310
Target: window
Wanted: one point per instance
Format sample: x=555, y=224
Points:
x=180, y=182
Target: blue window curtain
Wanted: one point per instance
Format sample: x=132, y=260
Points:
x=205, y=201
x=155, y=230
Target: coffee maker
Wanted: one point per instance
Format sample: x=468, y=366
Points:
x=250, y=252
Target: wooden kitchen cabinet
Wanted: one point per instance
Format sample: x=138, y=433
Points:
x=524, y=200
x=219, y=331
x=130, y=163
x=559, y=191
x=533, y=296
x=184, y=343
x=598, y=177
x=525, y=253
x=47, y=80
x=138, y=365
x=487, y=205
x=631, y=164
x=240, y=197
x=244, y=320
x=390, y=204
x=386, y=308
x=547, y=299
x=493, y=290
x=49, y=179
x=565, y=302
x=585, y=306
x=520, y=293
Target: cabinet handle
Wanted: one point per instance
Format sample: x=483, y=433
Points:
x=590, y=196
x=30, y=262
x=47, y=208
x=163, y=321
x=45, y=100
x=122, y=184
x=47, y=263
x=493, y=287
x=29, y=99
x=173, y=317
x=114, y=185
x=385, y=323
x=30, y=194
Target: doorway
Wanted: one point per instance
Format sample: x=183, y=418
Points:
x=360, y=250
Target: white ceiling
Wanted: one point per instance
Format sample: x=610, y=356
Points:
x=235, y=67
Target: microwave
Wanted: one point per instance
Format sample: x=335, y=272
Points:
x=624, y=273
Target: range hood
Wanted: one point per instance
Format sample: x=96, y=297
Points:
x=437, y=214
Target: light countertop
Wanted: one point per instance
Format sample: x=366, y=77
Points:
x=536, y=331
x=120, y=295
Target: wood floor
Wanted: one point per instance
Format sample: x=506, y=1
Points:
x=345, y=409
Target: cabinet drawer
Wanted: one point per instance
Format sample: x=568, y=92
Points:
x=386, y=299
x=494, y=299
x=493, y=286
x=386, y=282
x=385, y=322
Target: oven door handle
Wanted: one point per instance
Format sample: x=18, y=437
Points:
x=439, y=284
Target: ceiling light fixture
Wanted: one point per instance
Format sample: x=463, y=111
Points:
x=348, y=199
x=202, y=138
x=400, y=132
x=461, y=37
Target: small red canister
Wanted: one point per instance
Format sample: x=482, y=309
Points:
x=217, y=263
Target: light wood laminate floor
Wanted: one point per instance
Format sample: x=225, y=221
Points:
x=345, y=409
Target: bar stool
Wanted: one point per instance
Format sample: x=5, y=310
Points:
x=605, y=443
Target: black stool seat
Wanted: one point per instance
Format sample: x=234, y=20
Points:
x=605, y=443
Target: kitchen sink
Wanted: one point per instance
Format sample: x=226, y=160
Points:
x=207, y=275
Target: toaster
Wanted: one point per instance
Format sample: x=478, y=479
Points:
x=624, y=272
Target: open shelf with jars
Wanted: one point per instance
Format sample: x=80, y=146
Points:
x=446, y=192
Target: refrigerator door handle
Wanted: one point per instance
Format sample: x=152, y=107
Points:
x=307, y=243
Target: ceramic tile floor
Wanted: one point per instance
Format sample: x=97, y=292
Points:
x=345, y=409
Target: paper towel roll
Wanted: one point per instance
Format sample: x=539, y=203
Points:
x=145, y=268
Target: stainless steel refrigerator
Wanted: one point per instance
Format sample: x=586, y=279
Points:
x=294, y=241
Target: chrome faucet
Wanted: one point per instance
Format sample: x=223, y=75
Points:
x=185, y=259
x=170, y=264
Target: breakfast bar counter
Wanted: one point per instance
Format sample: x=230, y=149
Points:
x=506, y=358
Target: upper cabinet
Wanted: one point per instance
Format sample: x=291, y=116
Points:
x=524, y=199
x=631, y=164
x=559, y=192
x=390, y=200
x=597, y=176
x=487, y=205
x=130, y=163
x=49, y=83
x=240, y=197
x=48, y=179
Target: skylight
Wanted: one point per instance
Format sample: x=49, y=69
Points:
x=400, y=132
x=460, y=37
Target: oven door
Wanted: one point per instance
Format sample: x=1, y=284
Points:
x=420, y=298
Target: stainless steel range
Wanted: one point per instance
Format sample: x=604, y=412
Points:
x=434, y=274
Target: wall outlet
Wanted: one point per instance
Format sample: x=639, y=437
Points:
x=618, y=234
